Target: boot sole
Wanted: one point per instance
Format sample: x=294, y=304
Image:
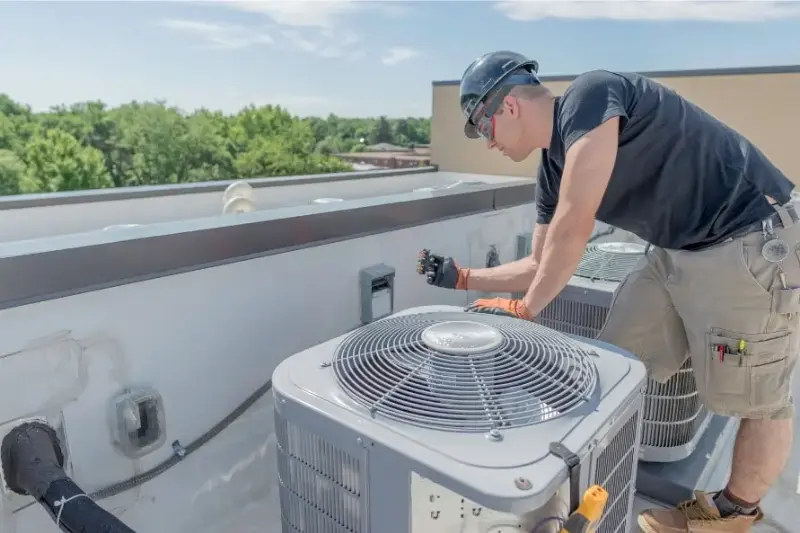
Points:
x=644, y=526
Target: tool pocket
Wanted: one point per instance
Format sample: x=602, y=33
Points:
x=748, y=372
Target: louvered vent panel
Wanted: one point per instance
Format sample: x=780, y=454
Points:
x=614, y=471
x=673, y=410
x=573, y=317
x=320, y=485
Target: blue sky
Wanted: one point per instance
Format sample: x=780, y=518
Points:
x=358, y=58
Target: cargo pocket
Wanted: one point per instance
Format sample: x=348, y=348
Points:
x=753, y=376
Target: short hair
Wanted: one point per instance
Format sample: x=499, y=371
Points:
x=530, y=92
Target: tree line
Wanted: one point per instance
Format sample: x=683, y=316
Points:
x=91, y=146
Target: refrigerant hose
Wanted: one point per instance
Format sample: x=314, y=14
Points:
x=179, y=453
x=33, y=465
x=546, y=520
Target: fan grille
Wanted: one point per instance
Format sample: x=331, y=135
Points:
x=507, y=373
x=609, y=261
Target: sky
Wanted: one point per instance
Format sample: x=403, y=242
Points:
x=358, y=58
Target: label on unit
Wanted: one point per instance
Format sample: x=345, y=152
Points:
x=436, y=509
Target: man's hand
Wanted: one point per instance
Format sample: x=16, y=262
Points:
x=442, y=271
x=500, y=306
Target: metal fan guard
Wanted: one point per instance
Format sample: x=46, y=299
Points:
x=609, y=261
x=495, y=372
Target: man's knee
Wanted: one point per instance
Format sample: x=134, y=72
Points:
x=643, y=321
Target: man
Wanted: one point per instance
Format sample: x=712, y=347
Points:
x=719, y=282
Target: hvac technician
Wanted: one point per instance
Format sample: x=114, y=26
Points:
x=719, y=283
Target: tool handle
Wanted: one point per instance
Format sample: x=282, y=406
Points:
x=588, y=513
x=576, y=523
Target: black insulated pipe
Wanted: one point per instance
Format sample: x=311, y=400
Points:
x=33, y=465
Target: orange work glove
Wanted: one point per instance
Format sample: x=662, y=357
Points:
x=501, y=306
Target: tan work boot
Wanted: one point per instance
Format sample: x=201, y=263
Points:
x=696, y=516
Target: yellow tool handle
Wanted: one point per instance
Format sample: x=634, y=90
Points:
x=588, y=513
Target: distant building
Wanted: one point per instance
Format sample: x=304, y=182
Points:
x=403, y=159
x=386, y=147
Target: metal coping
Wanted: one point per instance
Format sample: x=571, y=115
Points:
x=152, y=191
x=59, y=266
x=735, y=71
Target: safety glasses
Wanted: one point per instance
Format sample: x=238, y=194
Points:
x=483, y=116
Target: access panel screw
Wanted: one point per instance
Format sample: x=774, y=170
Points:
x=494, y=435
x=522, y=483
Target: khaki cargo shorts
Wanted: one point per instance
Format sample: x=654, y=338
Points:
x=725, y=307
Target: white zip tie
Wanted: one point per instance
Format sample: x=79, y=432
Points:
x=60, y=504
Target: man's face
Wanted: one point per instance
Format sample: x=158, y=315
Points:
x=509, y=137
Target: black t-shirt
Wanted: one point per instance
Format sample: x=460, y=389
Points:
x=682, y=179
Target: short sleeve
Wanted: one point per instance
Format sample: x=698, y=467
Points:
x=546, y=192
x=589, y=101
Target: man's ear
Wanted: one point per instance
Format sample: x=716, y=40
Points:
x=511, y=105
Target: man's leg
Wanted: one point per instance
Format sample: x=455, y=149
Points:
x=742, y=328
x=760, y=454
x=643, y=320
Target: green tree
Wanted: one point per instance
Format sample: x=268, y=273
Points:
x=381, y=132
x=56, y=161
x=8, y=135
x=345, y=134
x=12, y=172
x=88, y=145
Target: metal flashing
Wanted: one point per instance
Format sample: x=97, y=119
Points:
x=695, y=73
x=55, y=267
x=22, y=201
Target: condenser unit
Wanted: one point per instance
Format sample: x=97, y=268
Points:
x=674, y=416
x=238, y=197
x=435, y=420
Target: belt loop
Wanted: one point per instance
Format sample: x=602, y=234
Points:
x=783, y=214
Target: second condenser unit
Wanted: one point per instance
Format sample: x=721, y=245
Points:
x=674, y=417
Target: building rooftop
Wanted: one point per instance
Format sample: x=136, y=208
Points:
x=36, y=216
x=202, y=309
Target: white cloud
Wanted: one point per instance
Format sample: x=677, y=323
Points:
x=319, y=27
x=328, y=43
x=316, y=13
x=222, y=36
x=316, y=27
x=398, y=54
x=301, y=13
x=711, y=10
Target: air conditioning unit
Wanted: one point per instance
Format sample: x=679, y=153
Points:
x=435, y=420
x=238, y=197
x=674, y=416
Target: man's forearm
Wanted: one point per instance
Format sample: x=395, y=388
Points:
x=510, y=277
x=562, y=252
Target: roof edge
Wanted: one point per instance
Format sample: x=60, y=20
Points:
x=733, y=71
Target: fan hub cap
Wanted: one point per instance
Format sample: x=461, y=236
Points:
x=621, y=247
x=462, y=337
